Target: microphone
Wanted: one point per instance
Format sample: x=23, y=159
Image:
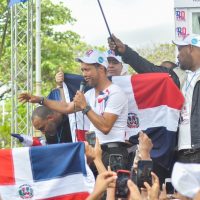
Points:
x=83, y=85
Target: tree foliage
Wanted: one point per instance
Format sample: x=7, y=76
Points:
x=58, y=50
x=157, y=53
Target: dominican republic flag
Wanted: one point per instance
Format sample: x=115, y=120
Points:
x=79, y=124
x=154, y=107
x=12, y=2
x=53, y=172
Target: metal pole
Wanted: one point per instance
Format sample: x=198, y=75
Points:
x=38, y=48
x=104, y=17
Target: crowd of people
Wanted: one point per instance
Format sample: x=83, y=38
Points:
x=106, y=107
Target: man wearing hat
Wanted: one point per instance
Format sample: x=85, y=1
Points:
x=115, y=66
x=187, y=77
x=105, y=105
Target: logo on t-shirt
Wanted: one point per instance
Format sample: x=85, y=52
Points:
x=133, y=120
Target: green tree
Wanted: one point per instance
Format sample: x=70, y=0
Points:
x=58, y=49
x=5, y=120
x=157, y=53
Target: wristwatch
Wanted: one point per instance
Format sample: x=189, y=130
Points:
x=86, y=109
x=41, y=102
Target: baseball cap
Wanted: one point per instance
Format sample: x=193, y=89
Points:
x=186, y=178
x=94, y=56
x=111, y=54
x=190, y=39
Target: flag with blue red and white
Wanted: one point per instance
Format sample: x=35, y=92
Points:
x=154, y=105
x=56, y=172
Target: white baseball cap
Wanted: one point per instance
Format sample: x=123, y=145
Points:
x=94, y=56
x=186, y=178
x=111, y=54
x=190, y=39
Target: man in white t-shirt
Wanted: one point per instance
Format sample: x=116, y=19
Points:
x=105, y=105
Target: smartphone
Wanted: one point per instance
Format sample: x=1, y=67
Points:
x=115, y=162
x=144, y=172
x=90, y=137
x=169, y=186
x=121, y=190
x=133, y=175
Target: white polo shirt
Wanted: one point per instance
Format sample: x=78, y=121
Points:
x=113, y=100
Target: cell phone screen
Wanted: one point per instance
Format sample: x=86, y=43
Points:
x=144, y=172
x=91, y=138
x=133, y=176
x=121, y=184
x=115, y=162
x=169, y=187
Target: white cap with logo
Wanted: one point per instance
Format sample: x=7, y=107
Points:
x=190, y=39
x=111, y=54
x=94, y=56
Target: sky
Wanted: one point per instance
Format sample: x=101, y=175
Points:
x=136, y=22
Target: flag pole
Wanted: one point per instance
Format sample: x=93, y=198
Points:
x=38, y=48
x=105, y=19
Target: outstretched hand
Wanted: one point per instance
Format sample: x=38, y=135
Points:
x=26, y=97
x=59, y=78
x=116, y=45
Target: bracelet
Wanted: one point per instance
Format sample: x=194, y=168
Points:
x=41, y=102
x=86, y=110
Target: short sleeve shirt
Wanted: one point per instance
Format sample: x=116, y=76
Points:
x=111, y=100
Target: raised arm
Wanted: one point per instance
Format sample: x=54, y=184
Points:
x=59, y=77
x=61, y=107
x=137, y=62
